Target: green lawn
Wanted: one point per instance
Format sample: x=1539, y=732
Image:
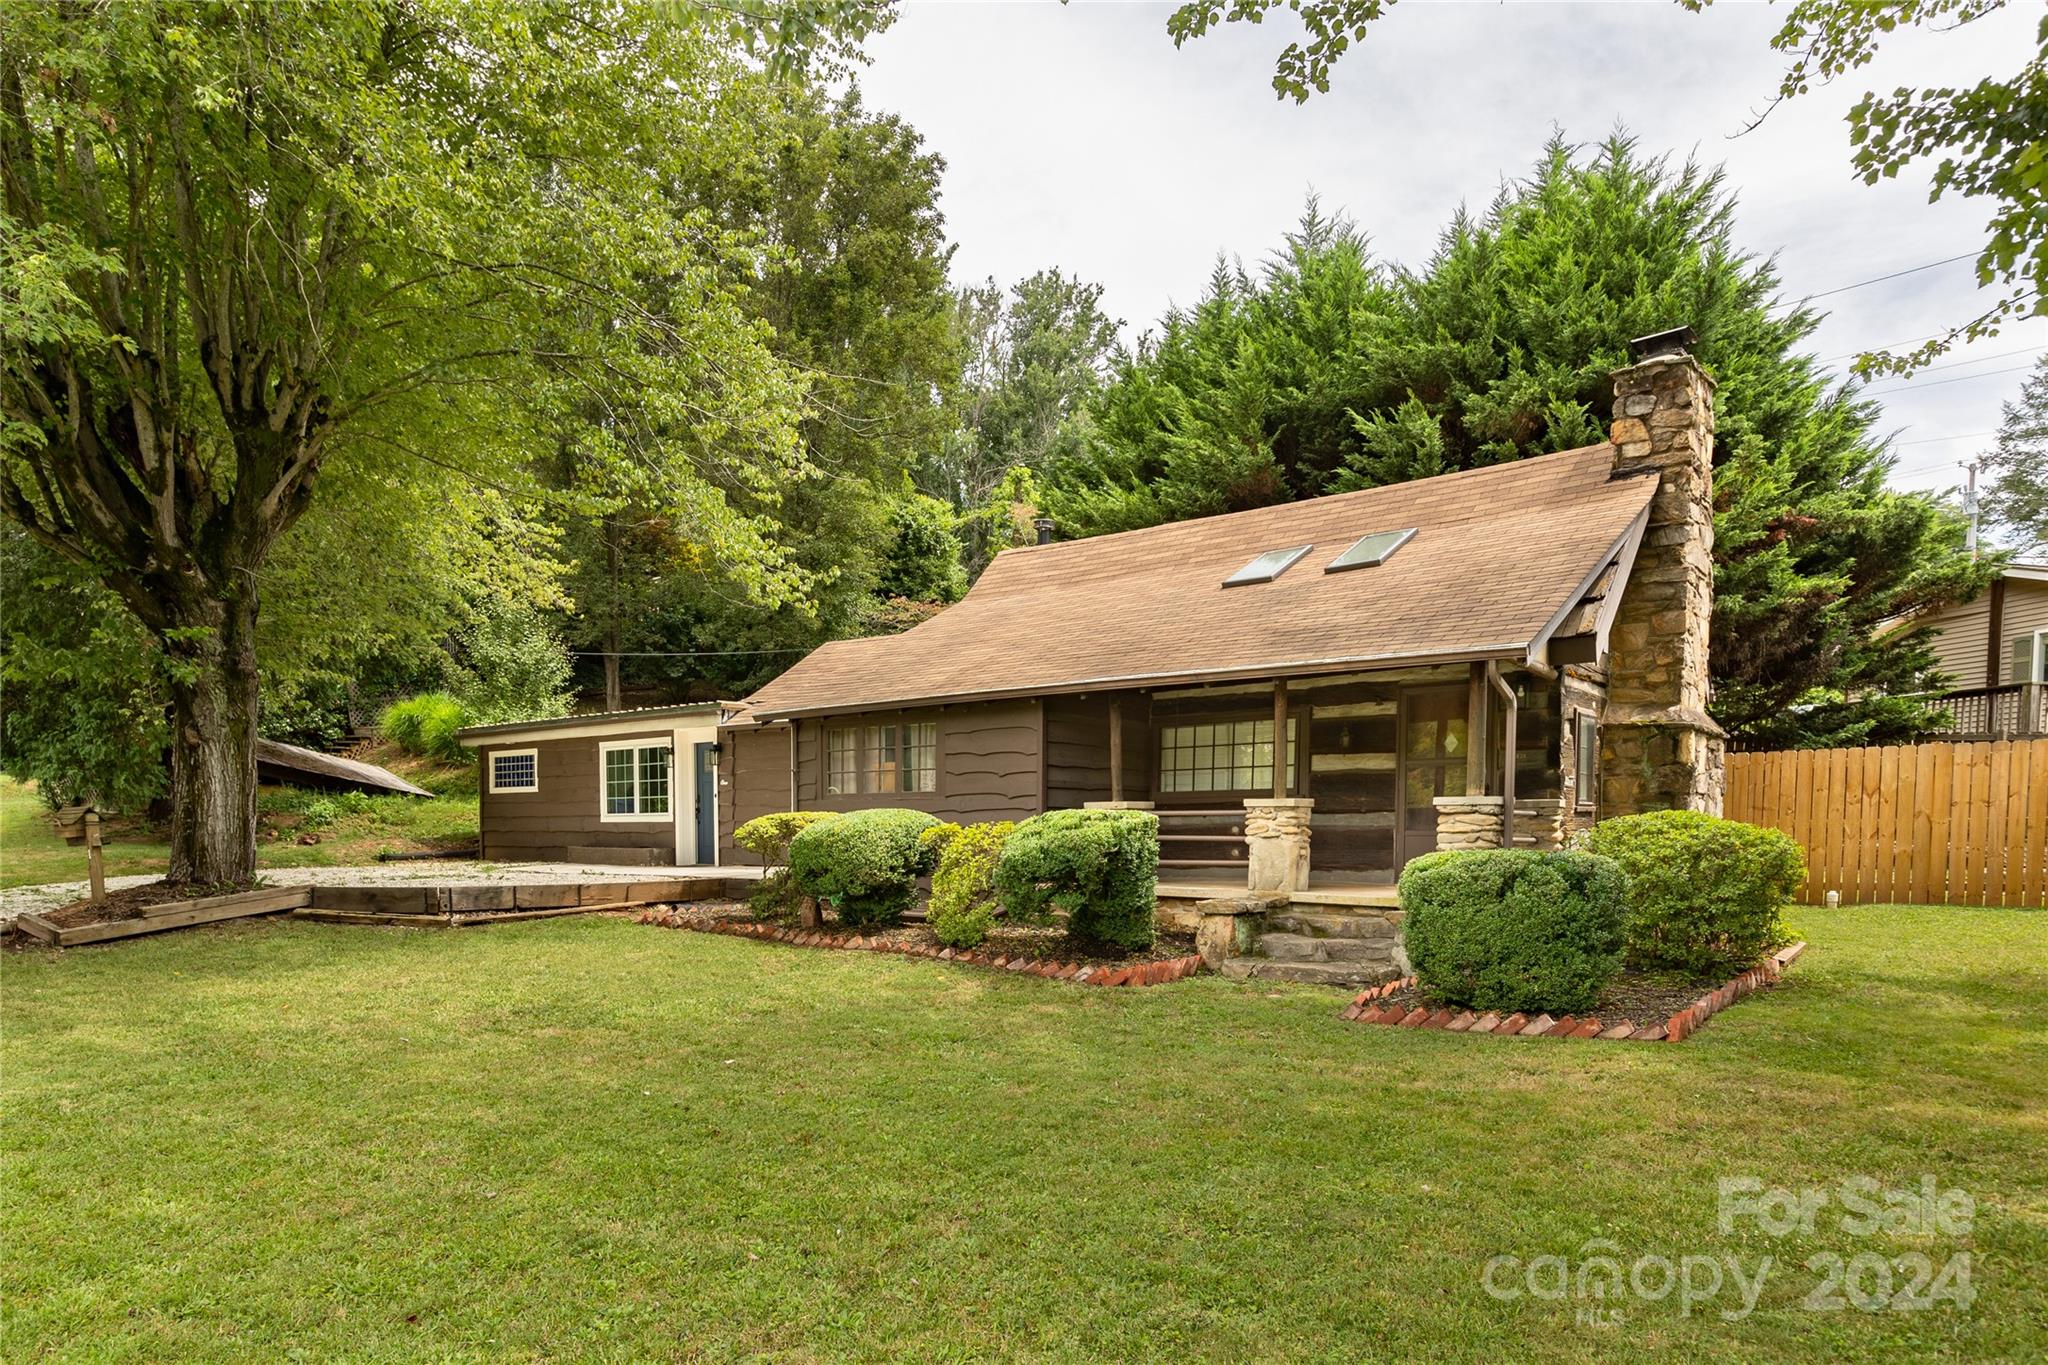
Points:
x=352, y=829
x=584, y=1138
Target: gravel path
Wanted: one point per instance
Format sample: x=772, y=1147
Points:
x=433, y=872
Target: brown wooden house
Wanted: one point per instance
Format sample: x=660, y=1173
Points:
x=1326, y=688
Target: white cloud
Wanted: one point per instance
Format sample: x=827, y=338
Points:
x=1078, y=137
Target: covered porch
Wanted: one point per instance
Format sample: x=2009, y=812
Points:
x=1370, y=770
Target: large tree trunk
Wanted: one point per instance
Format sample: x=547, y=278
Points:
x=213, y=745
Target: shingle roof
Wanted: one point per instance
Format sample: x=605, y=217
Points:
x=1498, y=554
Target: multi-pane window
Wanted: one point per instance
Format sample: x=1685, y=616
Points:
x=1222, y=756
x=636, y=779
x=515, y=770
x=1587, y=736
x=881, y=759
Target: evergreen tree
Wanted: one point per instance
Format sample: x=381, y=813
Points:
x=1326, y=372
x=2016, y=494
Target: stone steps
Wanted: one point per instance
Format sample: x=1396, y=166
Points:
x=1329, y=924
x=1285, y=947
x=1347, y=974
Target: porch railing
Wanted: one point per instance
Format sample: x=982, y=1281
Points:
x=2012, y=711
x=1202, y=838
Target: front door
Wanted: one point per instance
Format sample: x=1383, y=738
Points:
x=707, y=804
x=1433, y=738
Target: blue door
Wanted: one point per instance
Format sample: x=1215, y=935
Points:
x=707, y=804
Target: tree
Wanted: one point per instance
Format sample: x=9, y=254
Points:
x=2017, y=493
x=1034, y=358
x=248, y=245
x=1991, y=139
x=1326, y=371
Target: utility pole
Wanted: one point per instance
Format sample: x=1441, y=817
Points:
x=1970, y=508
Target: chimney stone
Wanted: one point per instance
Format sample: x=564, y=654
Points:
x=1659, y=749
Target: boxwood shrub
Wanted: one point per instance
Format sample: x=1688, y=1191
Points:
x=1704, y=893
x=768, y=837
x=1514, y=929
x=1099, y=866
x=866, y=863
x=964, y=901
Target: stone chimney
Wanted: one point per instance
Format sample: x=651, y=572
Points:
x=1659, y=749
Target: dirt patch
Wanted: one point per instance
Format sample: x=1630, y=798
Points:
x=1645, y=997
x=1005, y=940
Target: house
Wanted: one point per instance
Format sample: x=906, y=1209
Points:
x=1995, y=648
x=1324, y=689
x=634, y=787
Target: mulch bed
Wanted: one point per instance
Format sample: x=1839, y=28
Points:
x=1038, y=950
x=1637, y=1007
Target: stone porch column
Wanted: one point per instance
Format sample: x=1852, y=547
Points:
x=1467, y=822
x=1276, y=833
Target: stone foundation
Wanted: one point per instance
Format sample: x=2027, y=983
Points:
x=1541, y=823
x=1467, y=822
x=1276, y=833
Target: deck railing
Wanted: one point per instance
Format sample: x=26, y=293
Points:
x=2012, y=711
x=1202, y=838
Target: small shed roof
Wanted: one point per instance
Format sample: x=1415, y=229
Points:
x=1498, y=558
x=294, y=766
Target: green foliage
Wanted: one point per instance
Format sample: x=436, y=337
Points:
x=768, y=838
x=1327, y=370
x=2017, y=495
x=1991, y=138
x=865, y=863
x=964, y=901
x=1514, y=929
x=425, y=725
x=1704, y=894
x=513, y=666
x=1101, y=867
x=923, y=564
x=84, y=713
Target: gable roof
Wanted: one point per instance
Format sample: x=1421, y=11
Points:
x=1500, y=556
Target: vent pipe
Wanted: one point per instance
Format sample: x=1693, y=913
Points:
x=1043, y=525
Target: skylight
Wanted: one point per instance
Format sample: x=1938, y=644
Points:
x=1369, y=550
x=1267, y=567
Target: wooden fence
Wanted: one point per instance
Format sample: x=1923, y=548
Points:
x=1956, y=824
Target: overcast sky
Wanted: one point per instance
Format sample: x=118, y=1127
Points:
x=1078, y=137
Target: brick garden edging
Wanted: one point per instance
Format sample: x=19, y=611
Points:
x=1137, y=974
x=1676, y=1029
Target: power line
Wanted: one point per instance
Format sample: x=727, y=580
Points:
x=1956, y=364
x=1880, y=279
x=667, y=654
x=1959, y=436
x=1937, y=383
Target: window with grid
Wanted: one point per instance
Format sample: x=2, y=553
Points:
x=518, y=772
x=1587, y=736
x=882, y=759
x=636, y=780
x=1222, y=756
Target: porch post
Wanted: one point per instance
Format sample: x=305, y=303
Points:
x=1475, y=731
x=1116, y=749
x=1280, y=740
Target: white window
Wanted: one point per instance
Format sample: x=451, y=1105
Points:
x=633, y=781
x=1222, y=756
x=2030, y=657
x=515, y=770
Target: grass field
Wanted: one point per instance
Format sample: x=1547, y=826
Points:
x=352, y=829
x=585, y=1138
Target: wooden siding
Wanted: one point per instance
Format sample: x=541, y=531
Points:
x=1077, y=749
x=1954, y=824
x=1961, y=639
x=753, y=779
x=991, y=764
x=543, y=825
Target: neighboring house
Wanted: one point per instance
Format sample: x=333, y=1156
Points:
x=633, y=787
x=1335, y=685
x=1996, y=649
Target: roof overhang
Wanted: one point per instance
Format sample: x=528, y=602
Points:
x=1623, y=557
x=594, y=724
x=1517, y=651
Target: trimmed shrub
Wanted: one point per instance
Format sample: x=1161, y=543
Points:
x=768, y=837
x=1099, y=866
x=865, y=863
x=1514, y=929
x=964, y=901
x=1704, y=893
x=425, y=725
